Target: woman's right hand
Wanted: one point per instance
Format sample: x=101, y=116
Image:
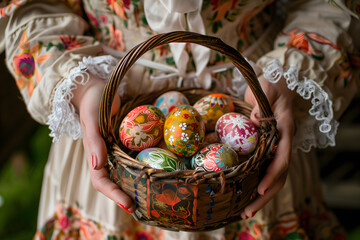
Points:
x=87, y=100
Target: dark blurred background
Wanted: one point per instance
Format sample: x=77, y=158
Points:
x=24, y=147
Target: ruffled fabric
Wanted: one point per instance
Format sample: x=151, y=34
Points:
x=318, y=131
x=64, y=119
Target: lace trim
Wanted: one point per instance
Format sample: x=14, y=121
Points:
x=64, y=118
x=320, y=133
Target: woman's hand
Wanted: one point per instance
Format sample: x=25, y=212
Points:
x=281, y=102
x=87, y=100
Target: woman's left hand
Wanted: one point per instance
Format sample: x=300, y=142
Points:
x=281, y=102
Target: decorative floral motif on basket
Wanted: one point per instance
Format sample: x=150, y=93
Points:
x=172, y=204
x=26, y=62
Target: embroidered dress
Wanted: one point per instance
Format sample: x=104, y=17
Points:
x=54, y=46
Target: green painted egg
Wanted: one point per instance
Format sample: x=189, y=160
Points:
x=159, y=158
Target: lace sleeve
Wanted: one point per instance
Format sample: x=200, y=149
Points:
x=63, y=118
x=319, y=128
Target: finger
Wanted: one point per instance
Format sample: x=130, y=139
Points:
x=281, y=160
x=262, y=200
x=103, y=184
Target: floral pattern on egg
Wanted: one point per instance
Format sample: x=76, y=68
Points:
x=166, y=102
x=238, y=132
x=215, y=157
x=142, y=127
x=159, y=158
x=184, y=131
x=212, y=107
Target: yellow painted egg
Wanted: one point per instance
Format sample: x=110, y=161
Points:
x=215, y=157
x=184, y=131
x=166, y=102
x=159, y=158
x=142, y=127
x=212, y=107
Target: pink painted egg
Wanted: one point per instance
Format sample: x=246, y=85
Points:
x=238, y=132
x=166, y=102
x=212, y=107
x=184, y=131
x=215, y=157
x=142, y=127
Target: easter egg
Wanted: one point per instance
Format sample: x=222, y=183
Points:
x=215, y=157
x=238, y=132
x=142, y=127
x=166, y=102
x=159, y=158
x=184, y=131
x=212, y=107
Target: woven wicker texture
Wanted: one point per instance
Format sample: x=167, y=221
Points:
x=190, y=200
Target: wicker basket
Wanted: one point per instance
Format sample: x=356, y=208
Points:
x=194, y=201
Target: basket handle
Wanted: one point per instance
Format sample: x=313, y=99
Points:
x=178, y=36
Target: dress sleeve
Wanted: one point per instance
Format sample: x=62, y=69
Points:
x=312, y=55
x=49, y=55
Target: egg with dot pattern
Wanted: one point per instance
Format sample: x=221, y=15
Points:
x=184, y=131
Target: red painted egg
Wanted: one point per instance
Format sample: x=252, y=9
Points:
x=142, y=127
x=238, y=132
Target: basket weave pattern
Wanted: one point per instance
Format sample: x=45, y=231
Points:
x=185, y=200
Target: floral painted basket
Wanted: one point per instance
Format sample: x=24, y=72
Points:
x=186, y=200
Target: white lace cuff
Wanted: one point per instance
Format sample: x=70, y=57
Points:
x=320, y=129
x=64, y=118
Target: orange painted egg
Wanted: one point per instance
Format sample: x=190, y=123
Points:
x=159, y=158
x=238, y=132
x=212, y=107
x=215, y=157
x=166, y=102
x=184, y=131
x=142, y=127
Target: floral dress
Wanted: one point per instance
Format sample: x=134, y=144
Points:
x=54, y=46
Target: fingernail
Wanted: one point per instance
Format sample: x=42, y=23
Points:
x=93, y=161
x=123, y=207
x=246, y=217
x=265, y=191
x=253, y=213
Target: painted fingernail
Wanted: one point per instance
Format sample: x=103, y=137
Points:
x=123, y=207
x=265, y=191
x=253, y=213
x=93, y=161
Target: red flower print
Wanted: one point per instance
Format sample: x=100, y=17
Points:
x=25, y=65
x=186, y=116
x=195, y=126
x=64, y=222
x=142, y=235
x=116, y=41
x=120, y=6
x=69, y=42
x=25, y=62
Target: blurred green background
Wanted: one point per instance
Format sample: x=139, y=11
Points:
x=25, y=145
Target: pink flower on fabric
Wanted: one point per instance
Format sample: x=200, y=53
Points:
x=25, y=65
x=142, y=235
x=64, y=222
x=246, y=236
